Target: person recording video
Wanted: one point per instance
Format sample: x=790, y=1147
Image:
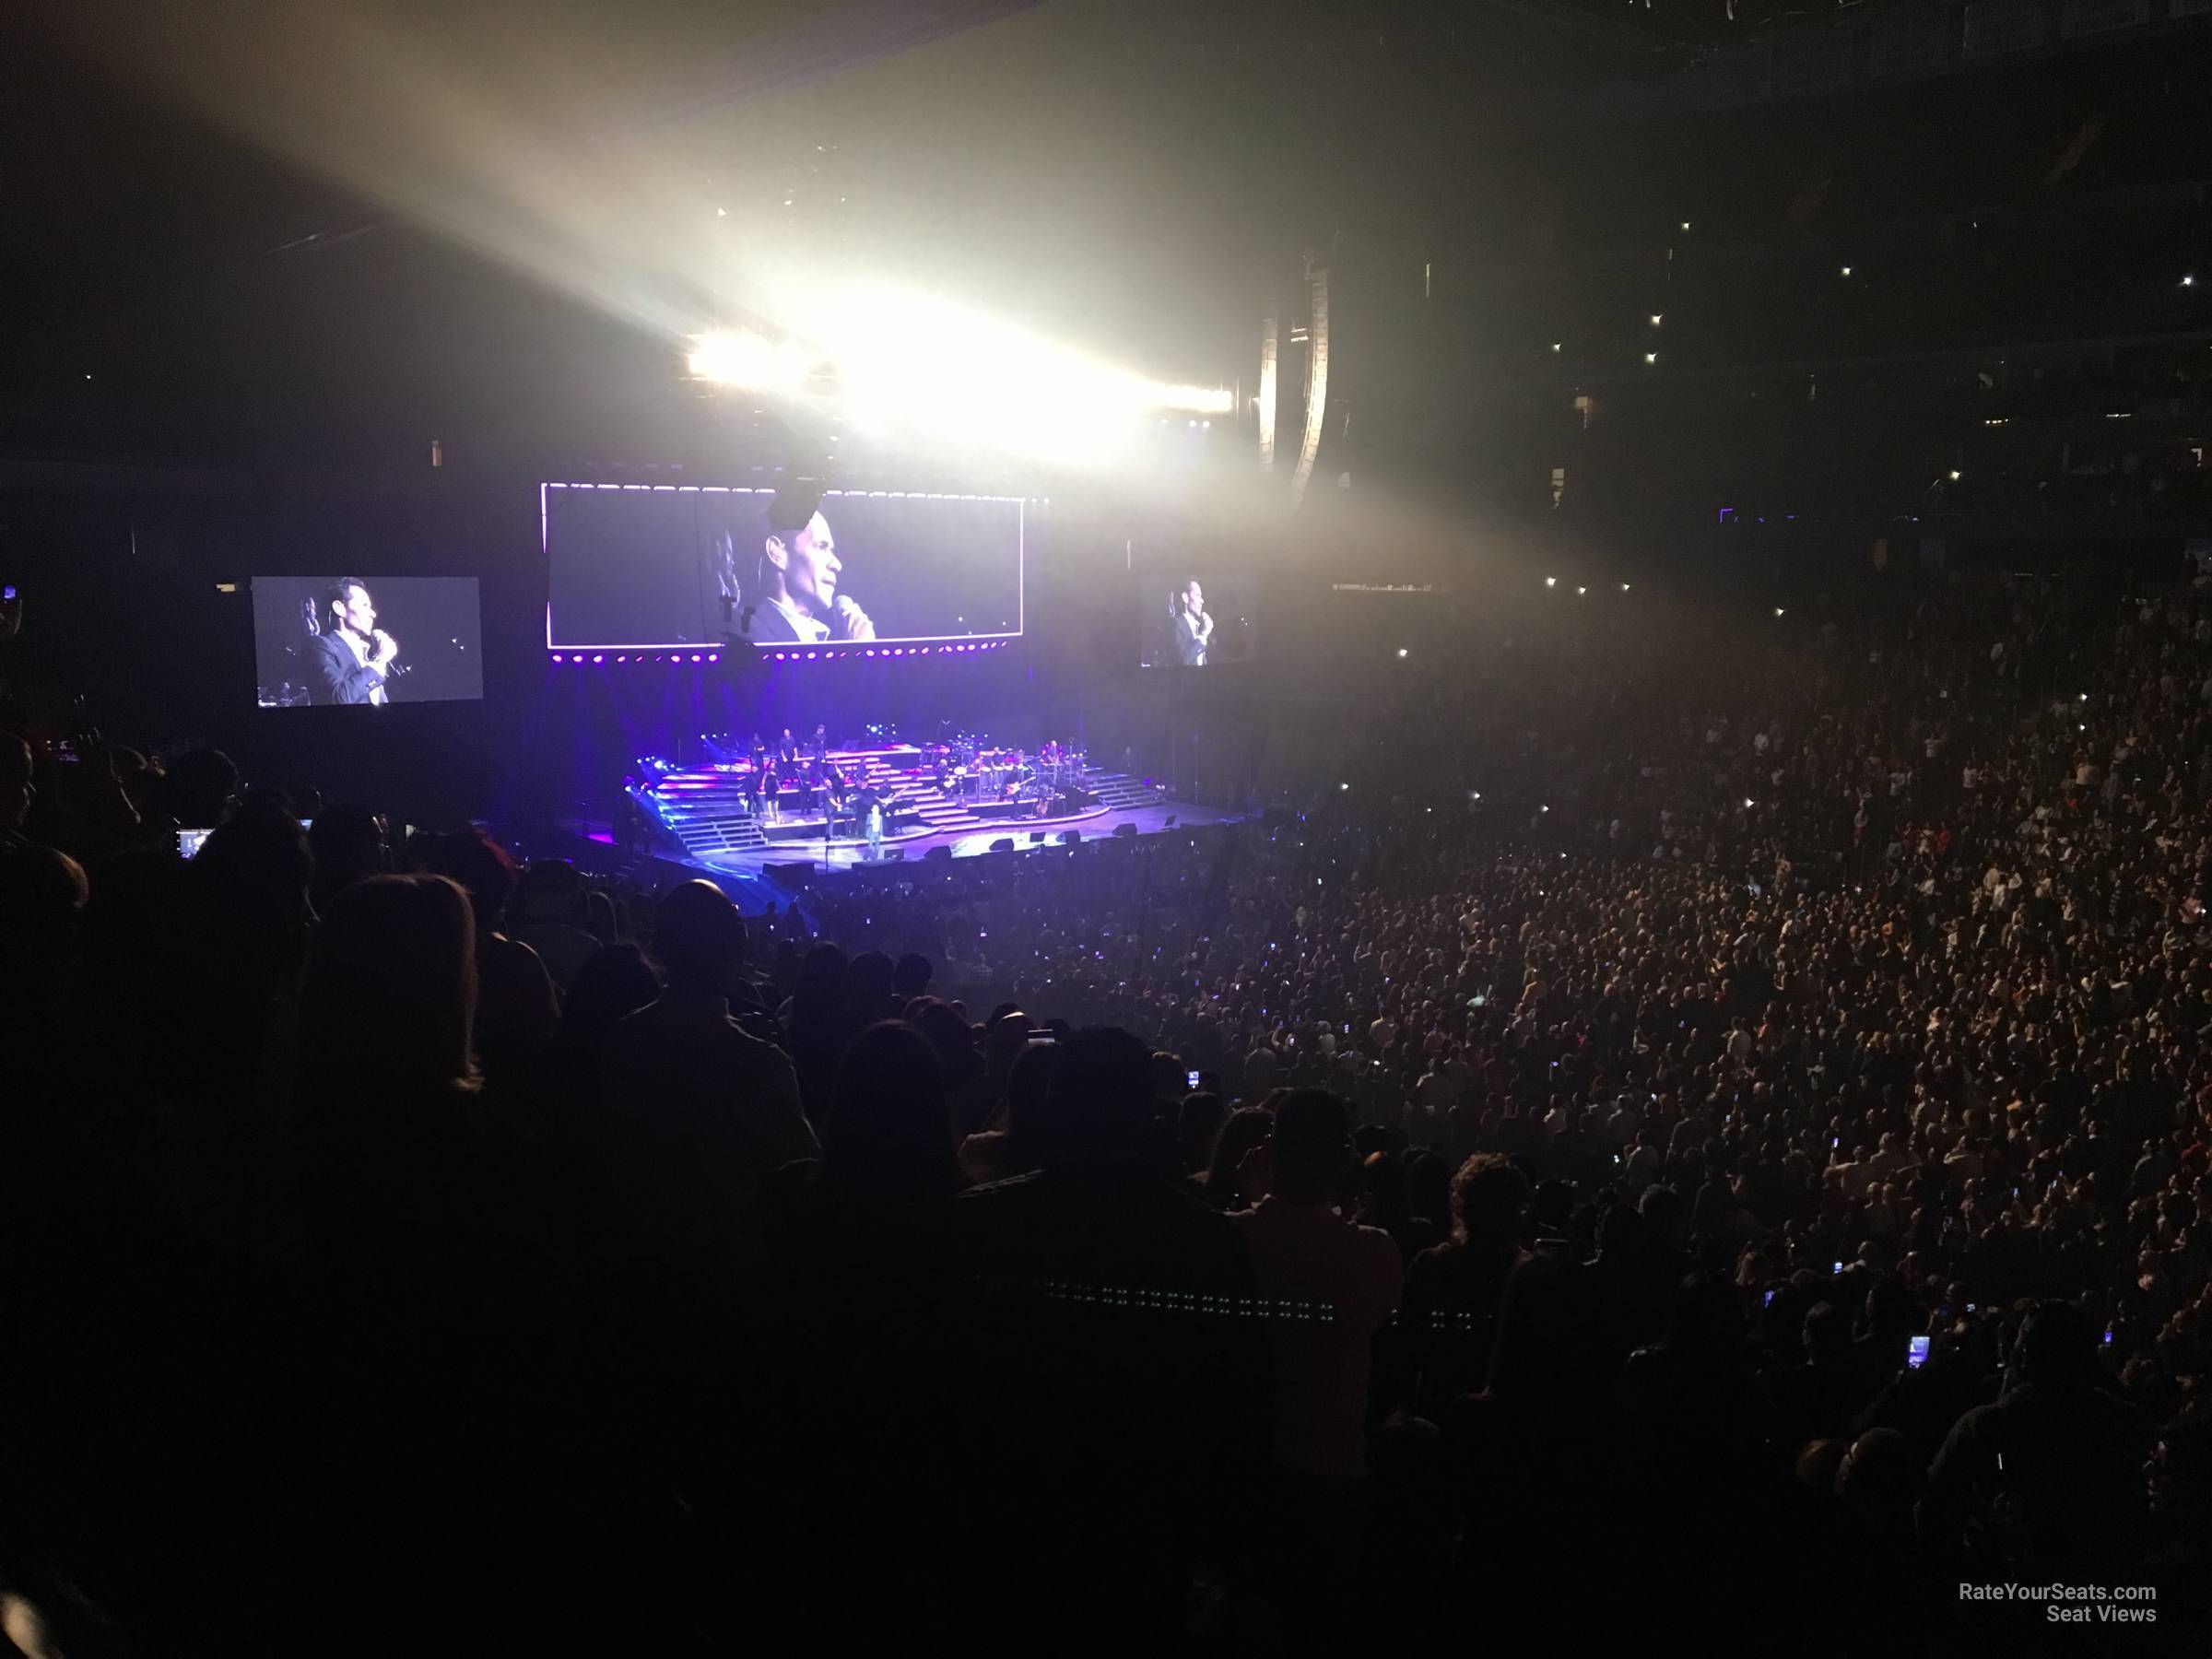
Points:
x=1194, y=628
x=352, y=659
x=799, y=601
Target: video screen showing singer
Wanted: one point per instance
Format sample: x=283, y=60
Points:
x=799, y=602
x=1194, y=628
x=351, y=660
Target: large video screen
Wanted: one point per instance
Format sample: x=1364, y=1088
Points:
x=661, y=566
x=365, y=641
x=1197, y=621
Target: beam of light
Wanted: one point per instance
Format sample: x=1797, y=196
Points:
x=741, y=358
x=500, y=144
x=913, y=365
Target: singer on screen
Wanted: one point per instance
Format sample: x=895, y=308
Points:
x=1194, y=628
x=799, y=601
x=352, y=658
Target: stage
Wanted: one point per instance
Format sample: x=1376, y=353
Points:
x=1098, y=824
x=703, y=816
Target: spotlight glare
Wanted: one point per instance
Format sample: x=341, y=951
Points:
x=1401, y=651
x=1651, y=357
x=750, y=361
x=1551, y=581
x=1656, y=319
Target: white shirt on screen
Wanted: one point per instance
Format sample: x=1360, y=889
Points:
x=809, y=631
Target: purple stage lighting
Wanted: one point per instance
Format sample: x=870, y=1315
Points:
x=598, y=659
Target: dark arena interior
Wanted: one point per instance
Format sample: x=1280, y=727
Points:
x=1106, y=827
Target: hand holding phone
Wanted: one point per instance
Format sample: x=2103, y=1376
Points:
x=1916, y=1353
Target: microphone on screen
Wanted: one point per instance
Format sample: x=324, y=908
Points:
x=852, y=622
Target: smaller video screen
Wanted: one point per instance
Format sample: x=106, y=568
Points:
x=365, y=641
x=1198, y=621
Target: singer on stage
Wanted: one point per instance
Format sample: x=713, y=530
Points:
x=799, y=602
x=352, y=659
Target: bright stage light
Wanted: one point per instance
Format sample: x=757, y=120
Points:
x=1204, y=400
x=749, y=359
x=907, y=361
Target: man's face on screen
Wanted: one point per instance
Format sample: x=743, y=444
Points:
x=357, y=613
x=811, y=567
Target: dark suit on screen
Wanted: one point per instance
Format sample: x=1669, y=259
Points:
x=337, y=676
x=772, y=627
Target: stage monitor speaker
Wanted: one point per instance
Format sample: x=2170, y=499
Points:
x=1005, y=843
x=1170, y=824
x=1036, y=836
x=1068, y=837
x=894, y=854
x=944, y=854
x=802, y=869
x=1125, y=831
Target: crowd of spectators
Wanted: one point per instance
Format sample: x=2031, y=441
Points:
x=1726, y=1154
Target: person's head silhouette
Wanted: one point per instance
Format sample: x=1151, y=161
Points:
x=699, y=938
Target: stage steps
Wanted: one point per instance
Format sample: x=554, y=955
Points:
x=703, y=806
x=1121, y=791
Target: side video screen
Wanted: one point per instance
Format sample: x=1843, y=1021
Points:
x=1198, y=621
x=366, y=640
x=662, y=567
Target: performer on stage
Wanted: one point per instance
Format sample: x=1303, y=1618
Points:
x=875, y=810
x=787, y=754
x=817, y=746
